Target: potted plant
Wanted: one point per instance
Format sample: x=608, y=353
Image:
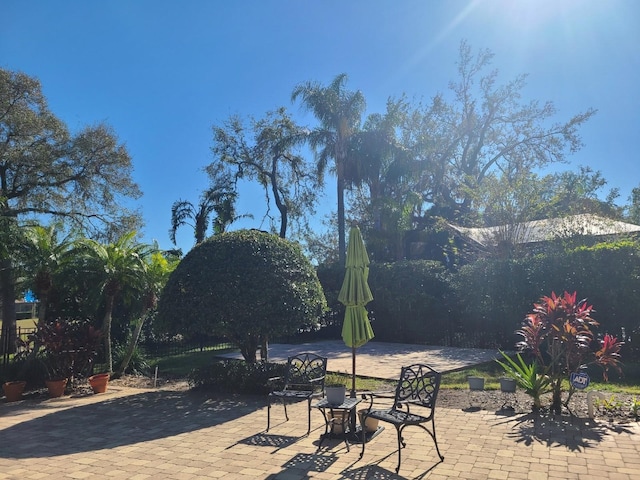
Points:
x=57, y=371
x=69, y=347
x=13, y=390
x=339, y=419
x=56, y=386
x=335, y=393
x=99, y=382
x=13, y=386
x=475, y=383
x=507, y=385
x=370, y=424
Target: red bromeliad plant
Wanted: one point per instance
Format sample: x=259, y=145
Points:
x=558, y=333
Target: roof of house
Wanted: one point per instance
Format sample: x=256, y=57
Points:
x=548, y=229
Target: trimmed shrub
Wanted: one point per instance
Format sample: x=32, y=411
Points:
x=247, y=286
x=237, y=376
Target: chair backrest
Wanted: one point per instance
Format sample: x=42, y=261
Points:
x=418, y=385
x=305, y=371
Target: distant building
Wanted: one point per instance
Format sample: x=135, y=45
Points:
x=536, y=232
x=25, y=310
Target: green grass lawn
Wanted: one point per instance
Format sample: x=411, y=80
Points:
x=26, y=323
x=181, y=365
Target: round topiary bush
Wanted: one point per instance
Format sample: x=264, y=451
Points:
x=246, y=285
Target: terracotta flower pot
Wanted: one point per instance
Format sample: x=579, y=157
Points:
x=339, y=418
x=13, y=390
x=99, y=382
x=370, y=424
x=56, y=387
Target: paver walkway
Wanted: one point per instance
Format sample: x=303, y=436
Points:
x=382, y=360
x=168, y=434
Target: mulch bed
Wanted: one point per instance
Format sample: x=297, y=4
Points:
x=620, y=409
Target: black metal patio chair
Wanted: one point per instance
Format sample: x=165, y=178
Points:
x=303, y=380
x=414, y=403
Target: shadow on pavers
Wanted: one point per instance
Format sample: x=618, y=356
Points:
x=577, y=434
x=302, y=463
x=268, y=440
x=121, y=421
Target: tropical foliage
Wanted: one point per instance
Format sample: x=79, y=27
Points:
x=558, y=333
x=81, y=179
x=69, y=347
x=339, y=112
x=114, y=269
x=219, y=200
x=528, y=376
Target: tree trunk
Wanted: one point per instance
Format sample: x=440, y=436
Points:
x=131, y=347
x=264, y=349
x=43, y=300
x=8, y=300
x=556, y=403
x=106, y=332
x=248, y=349
x=342, y=250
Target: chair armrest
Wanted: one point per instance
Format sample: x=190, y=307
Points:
x=388, y=394
x=378, y=394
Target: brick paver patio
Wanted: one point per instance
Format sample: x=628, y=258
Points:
x=169, y=434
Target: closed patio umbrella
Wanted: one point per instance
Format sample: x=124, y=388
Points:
x=354, y=295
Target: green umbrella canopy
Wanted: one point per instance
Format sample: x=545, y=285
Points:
x=355, y=294
x=355, y=288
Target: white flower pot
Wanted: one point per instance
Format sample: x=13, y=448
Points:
x=507, y=385
x=476, y=383
x=335, y=394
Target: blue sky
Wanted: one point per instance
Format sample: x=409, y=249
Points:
x=161, y=73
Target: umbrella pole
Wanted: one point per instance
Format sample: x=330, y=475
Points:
x=353, y=361
x=353, y=369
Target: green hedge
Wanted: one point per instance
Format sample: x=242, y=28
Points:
x=409, y=304
x=483, y=303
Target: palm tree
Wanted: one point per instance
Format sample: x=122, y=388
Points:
x=43, y=256
x=339, y=112
x=117, y=268
x=184, y=212
x=157, y=274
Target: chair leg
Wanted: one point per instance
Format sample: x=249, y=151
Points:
x=284, y=404
x=309, y=416
x=433, y=435
x=400, y=444
x=363, y=421
x=268, y=414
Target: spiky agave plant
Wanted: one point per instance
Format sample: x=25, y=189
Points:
x=527, y=376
